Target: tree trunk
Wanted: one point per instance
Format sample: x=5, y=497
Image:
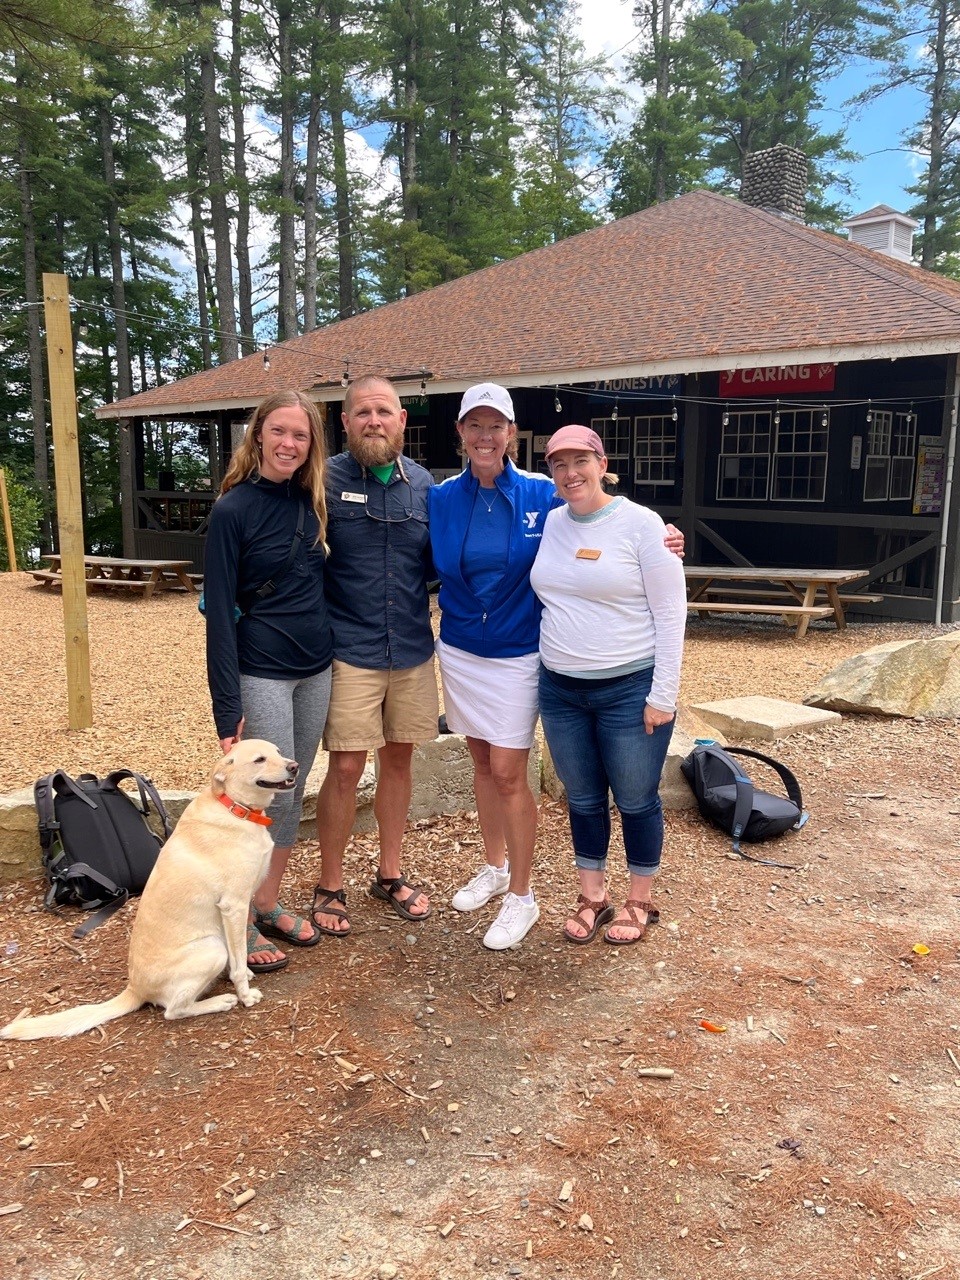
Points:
x=933, y=178
x=408, y=158
x=117, y=289
x=347, y=302
x=192, y=153
x=663, y=92
x=287, y=288
x=310, y=210
x=244, y=273
x=41, y=457
x=217, y=190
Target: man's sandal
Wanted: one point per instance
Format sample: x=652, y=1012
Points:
x=633, y=907
x=603, y=913
x=254, y=938
x=266, y=922
x=387, y=888
x=323, y=902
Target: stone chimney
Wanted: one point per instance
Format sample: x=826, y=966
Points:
x=776, y=180
x=885, y=230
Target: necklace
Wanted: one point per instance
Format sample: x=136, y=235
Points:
x=488, y=505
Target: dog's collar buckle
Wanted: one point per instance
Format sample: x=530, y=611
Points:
x=241, y=811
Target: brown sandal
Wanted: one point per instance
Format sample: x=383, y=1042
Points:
x=633, y=907
x=603, y=913
x=323, y=902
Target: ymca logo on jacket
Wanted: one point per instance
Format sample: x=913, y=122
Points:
x=510, y=626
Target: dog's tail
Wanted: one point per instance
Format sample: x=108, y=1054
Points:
x=70, y=1022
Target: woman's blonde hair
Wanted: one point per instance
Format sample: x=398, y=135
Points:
x=310, y=476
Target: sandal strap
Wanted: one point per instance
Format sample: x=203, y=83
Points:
x=393, y=883
x=256, y=942
x=586, y=904
x=329, y=895
x=633, y=907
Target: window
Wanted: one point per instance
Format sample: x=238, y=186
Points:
x=743, y=468
x=891, y=453
x=800, y=460
x=415, y=442
x=655, y=450
x=615, y=434
x=782, y=460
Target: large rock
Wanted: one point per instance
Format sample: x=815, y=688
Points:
x=902, y=678
x=766, y=719
x=442, y=783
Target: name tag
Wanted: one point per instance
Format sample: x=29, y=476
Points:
x=353, y=497
x=588, y=553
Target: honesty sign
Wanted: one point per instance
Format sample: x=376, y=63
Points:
x=778, y=379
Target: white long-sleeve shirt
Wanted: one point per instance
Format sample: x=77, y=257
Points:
x=613, y=596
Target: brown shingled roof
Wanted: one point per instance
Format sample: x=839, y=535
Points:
x=702, y=282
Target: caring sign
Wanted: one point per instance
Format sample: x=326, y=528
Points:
x=778, y=379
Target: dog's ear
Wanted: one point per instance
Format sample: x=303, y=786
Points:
x=218, y=779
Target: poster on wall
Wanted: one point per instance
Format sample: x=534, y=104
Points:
x=774, y=380
x=928, y=491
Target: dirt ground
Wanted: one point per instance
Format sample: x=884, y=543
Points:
x=405, y=1104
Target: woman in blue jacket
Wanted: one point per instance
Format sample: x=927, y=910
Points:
x=485, y=530
x=269, y=668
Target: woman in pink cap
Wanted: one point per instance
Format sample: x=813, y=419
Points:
x=611, y=642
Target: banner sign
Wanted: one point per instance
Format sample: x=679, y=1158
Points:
x=778, y=379
x=663, y=384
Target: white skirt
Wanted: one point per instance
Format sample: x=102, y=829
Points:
x=494, y=699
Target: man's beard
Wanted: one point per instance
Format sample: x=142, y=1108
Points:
x=378, y=451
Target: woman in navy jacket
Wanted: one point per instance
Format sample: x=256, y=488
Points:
x=269, y=668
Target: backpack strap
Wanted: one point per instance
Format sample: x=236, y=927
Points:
x=269, y=587
x=43, y=793
x=146, y=789
x=786, y=777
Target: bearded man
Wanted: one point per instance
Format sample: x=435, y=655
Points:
x=384, y=689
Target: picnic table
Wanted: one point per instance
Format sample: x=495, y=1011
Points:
x=796, y=594
x=113, y=572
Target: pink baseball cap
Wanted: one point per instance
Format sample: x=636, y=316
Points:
x=575, y=437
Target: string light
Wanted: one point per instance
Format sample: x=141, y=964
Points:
x=725, y=420
x=423, y=381
x=616, y=412
x=869, y=412
x=345, y=379
x=674, y=414
x=824, y=417
x=556, y=400
x=776, y=416
x=266, y=362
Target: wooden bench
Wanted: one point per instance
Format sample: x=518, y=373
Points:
x=785, y=610
x=780, y=593
x=141, y=577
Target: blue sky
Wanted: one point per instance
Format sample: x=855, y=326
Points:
x=887, y=168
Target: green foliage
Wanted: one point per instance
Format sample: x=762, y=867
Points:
x=25, y=518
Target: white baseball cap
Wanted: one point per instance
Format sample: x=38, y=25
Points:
x=486, y=395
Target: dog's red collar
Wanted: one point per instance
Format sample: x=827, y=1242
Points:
x=241, y=811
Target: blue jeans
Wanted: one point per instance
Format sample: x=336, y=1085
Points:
x=596, y=736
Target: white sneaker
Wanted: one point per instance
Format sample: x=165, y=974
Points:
x=512, y=925
x=486, y=884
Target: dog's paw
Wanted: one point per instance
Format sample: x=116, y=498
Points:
x=253, y=996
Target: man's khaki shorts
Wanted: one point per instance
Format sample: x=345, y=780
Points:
x=369, y=708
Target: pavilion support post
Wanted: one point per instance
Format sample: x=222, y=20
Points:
x=66, y=459
x=128, y=486
x=693, y=450
x=947, y=588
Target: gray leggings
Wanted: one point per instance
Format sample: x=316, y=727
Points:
x=291, y=714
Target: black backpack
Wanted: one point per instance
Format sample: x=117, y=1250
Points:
x=727, y=797
x=96, y=845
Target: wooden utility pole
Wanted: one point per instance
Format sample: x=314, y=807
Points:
x=7, y=523
x=66, y=461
